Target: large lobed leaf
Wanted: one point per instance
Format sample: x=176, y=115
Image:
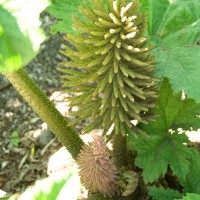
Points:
x=192, y=182
x=162, y=148
x=174, y=112
x=190, y=196
x=155, y=153
x=163, y=194
x=174, y=28
x=20, y=36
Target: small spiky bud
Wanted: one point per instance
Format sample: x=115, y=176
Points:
x=128, y=182
x=97, y=170
x=115, y=83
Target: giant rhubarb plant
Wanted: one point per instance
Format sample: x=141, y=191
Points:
x=112, y=73
x=112, y=60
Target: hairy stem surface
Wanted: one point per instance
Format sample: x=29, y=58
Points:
x=46, y=110
x=120, y=150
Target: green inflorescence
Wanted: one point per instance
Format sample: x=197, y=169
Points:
x=112, y=70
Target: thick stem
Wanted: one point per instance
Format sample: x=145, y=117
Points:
x=46, y=110
x=120, y=150
x=98, y=196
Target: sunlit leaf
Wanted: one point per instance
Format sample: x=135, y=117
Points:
x=56, y=187
x=21, y=37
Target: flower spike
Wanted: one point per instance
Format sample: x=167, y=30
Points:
x=112, y=69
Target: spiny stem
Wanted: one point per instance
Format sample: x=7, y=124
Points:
x=120, y=150
x=98, y=196
x=46, y=110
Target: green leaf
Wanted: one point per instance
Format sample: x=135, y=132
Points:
x=21, y=36
x=174, y=28
x=144, y=6
x=157, y=14
x=168, y=17
x=173, y=112
x=190, y=196
x=1, y=30
x=63, y=10
x=192, y=182
x=156, y=152
x=15, y=139
x=56, y=187
x=181, y=66
x=4, y=198
x=10, y=58
x=163, y=194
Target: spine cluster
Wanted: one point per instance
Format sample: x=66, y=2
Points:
x=111, y=69
x=97, y=170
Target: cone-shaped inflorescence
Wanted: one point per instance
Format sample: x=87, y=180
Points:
x=97, y=170
x=112, y=67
